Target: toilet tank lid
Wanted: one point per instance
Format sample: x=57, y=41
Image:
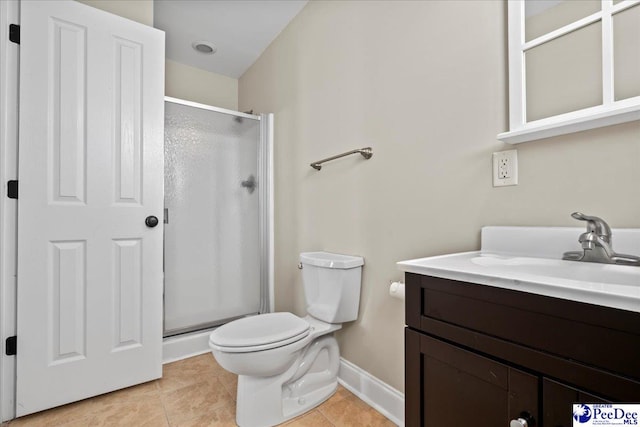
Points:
x=330, y=260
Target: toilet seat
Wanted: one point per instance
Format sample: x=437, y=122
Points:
x=261, y=332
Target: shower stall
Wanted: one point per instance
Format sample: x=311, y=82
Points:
x=218, y=210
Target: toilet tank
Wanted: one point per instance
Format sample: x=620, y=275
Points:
x=332, y=285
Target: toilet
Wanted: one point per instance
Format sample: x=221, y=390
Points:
x=287, y=365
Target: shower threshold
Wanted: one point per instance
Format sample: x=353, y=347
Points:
x=203, y=326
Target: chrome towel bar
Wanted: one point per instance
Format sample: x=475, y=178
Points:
x=366, y=152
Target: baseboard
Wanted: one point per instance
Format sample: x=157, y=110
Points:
x=184, y=346
x=379, y=395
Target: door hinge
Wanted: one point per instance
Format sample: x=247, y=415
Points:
x=14, y=33
x=12, y=189
x=11, y=346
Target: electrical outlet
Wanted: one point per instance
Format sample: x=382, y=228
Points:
x=505, y=168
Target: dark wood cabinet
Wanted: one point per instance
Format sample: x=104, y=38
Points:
x=556, y=398
x=460, y=387
x=481, y=356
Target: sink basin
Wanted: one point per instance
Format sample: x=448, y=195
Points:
x=535, y=266
x=585, y=272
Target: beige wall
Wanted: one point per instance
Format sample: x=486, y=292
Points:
x=182, y=81
x=424, y=84
x=195, y=84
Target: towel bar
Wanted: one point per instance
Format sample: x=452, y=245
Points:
x=366, y=152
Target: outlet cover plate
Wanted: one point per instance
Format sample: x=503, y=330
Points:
x=505, y=168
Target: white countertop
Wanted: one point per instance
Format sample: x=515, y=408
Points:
x=528, y=259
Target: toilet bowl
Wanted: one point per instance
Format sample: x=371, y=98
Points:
x=287, y=365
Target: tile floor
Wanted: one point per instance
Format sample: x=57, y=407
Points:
x=192, y=392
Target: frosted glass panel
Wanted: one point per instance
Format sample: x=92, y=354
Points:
x=212, y=246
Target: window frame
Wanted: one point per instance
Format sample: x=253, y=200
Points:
x=610, y=112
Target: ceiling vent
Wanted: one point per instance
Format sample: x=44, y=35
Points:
x=204, y=47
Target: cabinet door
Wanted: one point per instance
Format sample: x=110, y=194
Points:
x=558, y=400
x=447, y=386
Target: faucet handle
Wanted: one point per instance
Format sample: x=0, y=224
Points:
x=595, y=225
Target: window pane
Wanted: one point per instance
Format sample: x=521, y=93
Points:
x=565, y=74
x=626, y=53
x=544, y=16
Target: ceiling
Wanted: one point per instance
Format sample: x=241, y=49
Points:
x=240, y=29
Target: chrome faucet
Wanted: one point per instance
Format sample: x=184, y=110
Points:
x=596, y=244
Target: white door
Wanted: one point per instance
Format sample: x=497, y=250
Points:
x=90, y=172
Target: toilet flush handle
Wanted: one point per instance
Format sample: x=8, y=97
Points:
x=299, y=266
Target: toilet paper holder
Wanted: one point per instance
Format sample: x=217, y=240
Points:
x=396, y=290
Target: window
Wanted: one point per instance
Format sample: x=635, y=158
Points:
x=573, y=65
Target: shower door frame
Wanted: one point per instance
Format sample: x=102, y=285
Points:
x=265, y=204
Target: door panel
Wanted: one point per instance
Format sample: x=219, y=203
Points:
x=128, y=161
x=127, y=290
x=67, y=322
x=67, y=67
x=90, y=171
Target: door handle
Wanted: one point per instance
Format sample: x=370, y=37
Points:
x=151, y=221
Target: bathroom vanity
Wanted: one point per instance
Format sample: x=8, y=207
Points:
x=498, y=340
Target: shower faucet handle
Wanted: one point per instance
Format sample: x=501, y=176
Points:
x=250, y=184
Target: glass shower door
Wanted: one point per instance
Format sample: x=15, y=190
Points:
x=212, y=217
